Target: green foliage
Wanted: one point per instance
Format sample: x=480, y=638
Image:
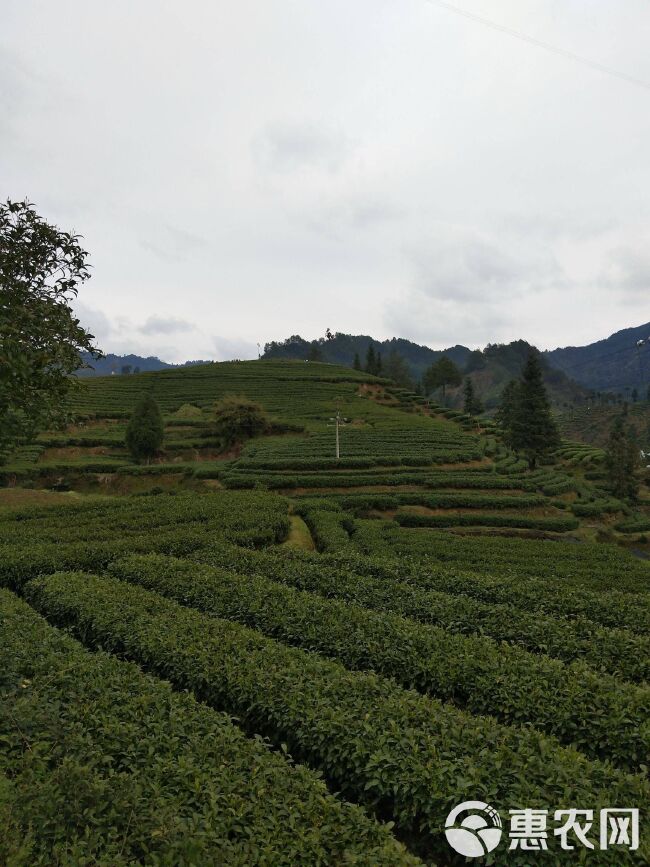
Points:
x=104, y=765
x=386, y=747
x=145, y=430
x=556, y=525
x=473, y=672
x=622, y=461
x=531, y=428
x=442, y=374
x=472, y=404
x=397, y=369
x=461, y=604
x=237, y=419
x=41, y=270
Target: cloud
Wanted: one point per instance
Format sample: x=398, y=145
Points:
x=228, y=348
x=628, y=271
x=288, y=147
x=93, y=320
x=464, y=267
x=165, y=325
x=171, y=244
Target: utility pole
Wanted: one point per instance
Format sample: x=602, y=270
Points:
x=339, y=421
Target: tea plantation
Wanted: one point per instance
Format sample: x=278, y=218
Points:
x=265, y=655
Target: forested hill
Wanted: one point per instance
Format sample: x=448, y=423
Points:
x=613, y=364
x=341, y=349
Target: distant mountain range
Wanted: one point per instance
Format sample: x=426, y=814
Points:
x=124, y=364
x=616, y=364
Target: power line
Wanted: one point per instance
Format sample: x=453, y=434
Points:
x=538, y=43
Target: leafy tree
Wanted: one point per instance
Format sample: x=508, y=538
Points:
x=473, y=405
x=621, y=460
x=442, y=374
x=314, y=352
x=356, y=364
x=237, y=418
x=398, y=370
x=532, y=430
x=41, y=270
x=145, y=430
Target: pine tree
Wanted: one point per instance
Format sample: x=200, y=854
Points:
x=356, y=364
x=621, y=460
x=505, y=414
x=473, y=405
x=533, y=431
x=371, y=361
x=145, y=430
x=378, y=365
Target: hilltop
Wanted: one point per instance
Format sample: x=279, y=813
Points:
x=614, y=364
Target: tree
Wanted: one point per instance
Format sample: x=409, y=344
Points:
x=378, y=366
x=508, y=405
x=356, y=364
x=473, y=405
x=126, y=369
x=41, y=270
x=371, y=361
x=237, y=418
x=314, y=352
x=533, y=431
x=145, y=430
x=621, y=460
x=398, y=370
x=442, y=374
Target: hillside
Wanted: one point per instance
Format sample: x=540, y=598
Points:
x=120, y=365
x=389, y=623
x=341, y=349
x=614, y=364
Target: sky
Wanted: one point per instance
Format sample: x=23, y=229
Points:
x=245, y=171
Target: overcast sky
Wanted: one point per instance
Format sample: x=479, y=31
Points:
x=248, y=170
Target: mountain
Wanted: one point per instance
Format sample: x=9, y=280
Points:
x=342, y=348
x=492, y=369
x=120, y=364
x=615, y=364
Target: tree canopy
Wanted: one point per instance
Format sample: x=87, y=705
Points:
x=526, y=416
x=41, y=270
x=443, y=373
x=473, y=405
x=237, y=418
x=145, y=430
x=622, y=460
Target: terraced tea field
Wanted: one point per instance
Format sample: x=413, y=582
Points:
x=271, y=657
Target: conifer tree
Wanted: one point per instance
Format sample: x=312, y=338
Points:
x=505, y=414
x=378, y=365
x=473, y=405
x=371, y=361
x=621, y=460
x=356, y=364
x=145, y=430
x=533, y=431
